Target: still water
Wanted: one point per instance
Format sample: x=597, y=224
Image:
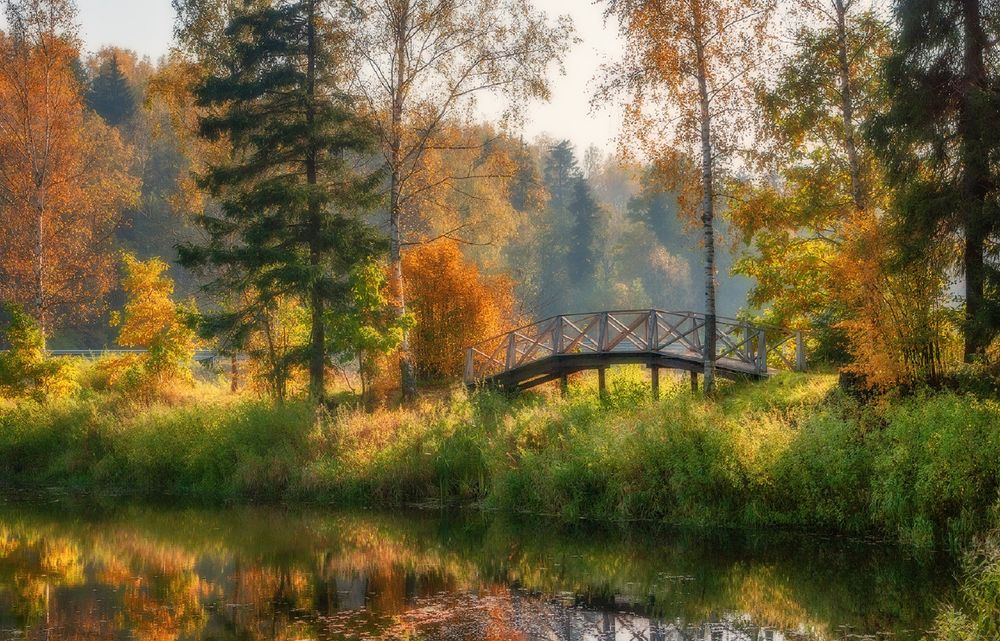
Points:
x=169, y=573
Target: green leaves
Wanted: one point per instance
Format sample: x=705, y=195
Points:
x=25, y=370
x=295, y=185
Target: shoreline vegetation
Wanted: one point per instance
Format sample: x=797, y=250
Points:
x=794, y=452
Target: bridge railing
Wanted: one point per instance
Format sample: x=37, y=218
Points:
x=739, y=345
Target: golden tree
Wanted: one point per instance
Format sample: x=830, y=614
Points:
x=152, y=321
x=454, y=305
x=819, y=236
x=63, y=173
x=685, y=72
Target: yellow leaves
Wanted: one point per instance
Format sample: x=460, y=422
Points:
x=282, y=328
x=459, y=187
x=669, y=46
x=898, y=329
x=149, y=310
x=152, y=321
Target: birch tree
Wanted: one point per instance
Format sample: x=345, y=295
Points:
x=64, y=176
x=423, y=63
x=685, y=73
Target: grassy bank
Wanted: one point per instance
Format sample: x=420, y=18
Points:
x=792, y=452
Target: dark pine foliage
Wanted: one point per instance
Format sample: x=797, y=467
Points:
x=110, y=94
x=942, y=145
x=292, y=194
x=585, y=213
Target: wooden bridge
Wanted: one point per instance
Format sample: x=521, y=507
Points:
x=553, y=348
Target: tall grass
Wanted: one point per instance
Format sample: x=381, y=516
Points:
x=792, y=451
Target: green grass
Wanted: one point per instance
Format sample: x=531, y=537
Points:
x=975, y=613
x=791, y=452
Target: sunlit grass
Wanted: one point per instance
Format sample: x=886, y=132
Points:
x=792, y=451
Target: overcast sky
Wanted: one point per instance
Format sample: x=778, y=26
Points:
x=146, y=25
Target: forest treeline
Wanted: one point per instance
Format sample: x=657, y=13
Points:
x=306, y=183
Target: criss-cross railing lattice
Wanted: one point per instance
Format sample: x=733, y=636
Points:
x=741, y=347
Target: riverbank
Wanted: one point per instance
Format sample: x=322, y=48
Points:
x=793, y=451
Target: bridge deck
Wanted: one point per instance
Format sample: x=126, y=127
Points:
x=561, y=345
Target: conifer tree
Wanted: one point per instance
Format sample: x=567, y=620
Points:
x=560, y=173
x=110, y=94
x=940, y=140
x=291, y=193
x=584, y=211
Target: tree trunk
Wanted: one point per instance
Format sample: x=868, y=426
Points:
x=317, y=356
x=975, y=178
x=847, y=107
x=407, y=379
x=707, y=210
x=39, y=266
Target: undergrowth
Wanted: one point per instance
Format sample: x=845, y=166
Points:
x=792, y=451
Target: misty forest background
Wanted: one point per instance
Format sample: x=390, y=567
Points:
x=576, y=230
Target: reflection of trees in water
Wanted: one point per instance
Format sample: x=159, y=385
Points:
x=202, y=575
x=503, y=614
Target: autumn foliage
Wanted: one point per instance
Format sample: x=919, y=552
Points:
x=64, y=178
x=454, y=305
x=25, y=369
x=154, y=322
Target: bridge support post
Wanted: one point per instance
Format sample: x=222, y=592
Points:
x=511, y=361
x=654, y=379
x=694, y=382
x=564, y=385
x=762, y=352
x=602, y=383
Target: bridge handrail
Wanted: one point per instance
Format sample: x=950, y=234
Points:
x=738, y=341
x=728, y=319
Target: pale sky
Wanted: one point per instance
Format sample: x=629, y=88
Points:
x=145, y=26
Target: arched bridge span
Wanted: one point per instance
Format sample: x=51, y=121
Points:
x=551, y=349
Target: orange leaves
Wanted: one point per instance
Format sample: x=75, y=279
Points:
x=455, y=306
x=899, y=331
x=63, y=182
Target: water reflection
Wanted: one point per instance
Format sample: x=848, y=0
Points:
x=141, y=573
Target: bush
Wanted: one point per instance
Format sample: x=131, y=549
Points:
x=937, y=467
x=152, y=321
x=454, y=306
x=25, y=370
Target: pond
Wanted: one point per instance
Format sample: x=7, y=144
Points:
x=253, y=573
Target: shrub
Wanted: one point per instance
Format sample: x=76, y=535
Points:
x=937, y=466
x=25, y=370
x=153, y=321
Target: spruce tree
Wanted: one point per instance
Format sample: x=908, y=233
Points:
x=941, y=141
x=110, y=94
x=290, y=195
x=584, y=211
x=561, y=174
